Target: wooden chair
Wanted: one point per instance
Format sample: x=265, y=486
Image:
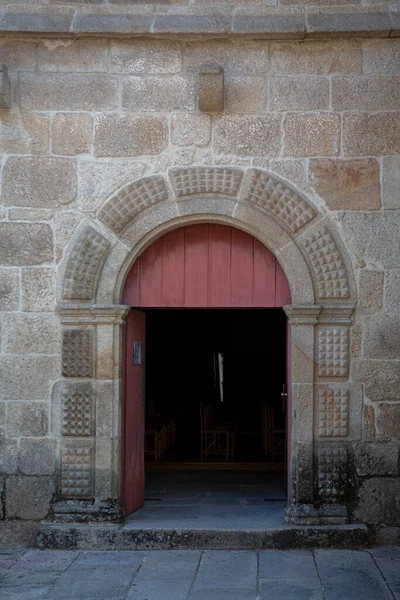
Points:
x=273, y=438
x=216, y=439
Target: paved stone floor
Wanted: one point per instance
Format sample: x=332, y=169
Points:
x=372, y=574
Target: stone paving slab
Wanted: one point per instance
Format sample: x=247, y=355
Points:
x=370, y=574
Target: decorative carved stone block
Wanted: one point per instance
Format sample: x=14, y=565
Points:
x=84, y=264
x=131, y=200
x=332, y=474
x=274, y=196
x=333, y=413
x=204, y=180
x=77, y=472
x=77, y=353
x=77, y=409
x=333, y=351
x=329, y=268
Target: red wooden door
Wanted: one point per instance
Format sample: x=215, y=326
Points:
x=133, y=413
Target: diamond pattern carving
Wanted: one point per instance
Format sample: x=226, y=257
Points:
x=77, y=353
x=333, y=409
x=328, y=265
x=132, y=200
x=76, y=472
x=332, y=474
x=277, y=198
x=77, y=410
x=84, y=264
x=333, y=352
x=205, y=180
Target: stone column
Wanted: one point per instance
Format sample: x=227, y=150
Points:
x=86, y=412
x=319, y=413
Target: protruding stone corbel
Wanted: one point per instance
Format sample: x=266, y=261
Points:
x=5, y=87
x=210, y=89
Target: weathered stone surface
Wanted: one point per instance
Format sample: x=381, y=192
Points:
x=298, y=93
x=205, y=180
x=379, y=501
x=5, y=87
x=24, y=244
x=356, y=340
x=158, y=93
x=351, y=19
x=347, y=184
x=283, y=202
x=376, y=459
x=68, y=92
x=145, y=56
x=247, y=135
x=369, y=423
x=27, y=419
x=381, y=378
x=37, y=289
x=245, y=94
x=27, y=377
x=71, y=134
x=129, y=135
x=371, y=134
x=2, y=413
x=77, y=471
x=388, y=421
x=381, y=56
x=391, y=182
x=23, y=133
x=316, y=57
x=329, y=268
x=8, y=454
x=270, y=21
x=37, y=18
x=38, y=181
x=332, y=473
x=28, y=497
x=210, y=89
x=292, y=170
x=373, y=237
x=333, y=412
x=333, y=351
x=9, y=289
x=236, y=58
x=190, y=129
x=312, y=134
x=29, y=333
x=392, y=290
x=18, y=54
x=192, y=20
x=77, y=409
x=77, y=353
x=370, y=290
x=84, y=264
x=97, y=179
x=131, y=200
x=86, y=55
x=37, y=456
x=119, y=19
x=366, y=93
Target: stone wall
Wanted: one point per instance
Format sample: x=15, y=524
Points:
x=91, y=115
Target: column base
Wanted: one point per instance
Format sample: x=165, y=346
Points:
x=308, y=514
x=86, y=511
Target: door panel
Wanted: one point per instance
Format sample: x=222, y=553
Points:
x=133, y=413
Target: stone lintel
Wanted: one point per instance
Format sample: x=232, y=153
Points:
x=5, y=87
x=194, y=22
x=305, y=314
x=84, y=314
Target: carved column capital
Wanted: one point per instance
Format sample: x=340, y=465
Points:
x=303, y=314
x=92, y=314
x=337, y=315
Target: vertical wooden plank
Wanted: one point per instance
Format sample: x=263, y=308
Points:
x=288, y=407
x=131, y=295
x=219, y=266
x=264, y=276
x=173, y=268
x=196, y=266
x=242, y=268
x=282, y=291
x=151, y=275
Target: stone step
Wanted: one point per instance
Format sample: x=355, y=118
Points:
x=109, y=536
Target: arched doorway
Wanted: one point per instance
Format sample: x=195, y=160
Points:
x=221, y=349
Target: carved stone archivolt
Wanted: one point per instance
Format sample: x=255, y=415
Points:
x=206, y=180
x=333, y=352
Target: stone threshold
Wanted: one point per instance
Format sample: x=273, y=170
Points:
x=107, y=536
x=199, y=22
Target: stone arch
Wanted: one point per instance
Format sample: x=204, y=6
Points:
x=309, y=250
